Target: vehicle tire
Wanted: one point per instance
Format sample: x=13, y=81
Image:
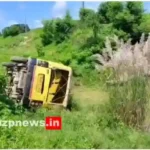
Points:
x=8, y=64
x=19, y=59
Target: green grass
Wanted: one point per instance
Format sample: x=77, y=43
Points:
x=91, y=124
x=89, y=127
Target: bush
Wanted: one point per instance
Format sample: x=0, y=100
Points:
x=2, y=84
x=39, y=50
x=48, y=32
x=15, y=29
x=87, y=16
x=57, y=30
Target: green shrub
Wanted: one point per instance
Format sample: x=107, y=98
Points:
x=57, y=30
x=39, y=50
x=47, y=36
x=2, y=84
x=15, y=29
x=86, y=16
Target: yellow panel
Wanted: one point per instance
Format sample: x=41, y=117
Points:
x=50, y=97
x=54, y=86
x=58, y=65
x=56, y=80
x=40, y=84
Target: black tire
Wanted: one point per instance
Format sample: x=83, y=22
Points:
x=8, y=64
x=19, y=59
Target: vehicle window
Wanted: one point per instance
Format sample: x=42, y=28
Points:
x=40, y=83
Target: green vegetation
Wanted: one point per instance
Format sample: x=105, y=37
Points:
x=103, y=116
x=14, y=30
x=57, y=30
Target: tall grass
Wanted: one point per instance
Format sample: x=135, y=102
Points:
x=129, y=100
x=130, y=64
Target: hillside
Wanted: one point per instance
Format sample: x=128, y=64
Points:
x=27, y=42
x=87, y=126
x=24, y=45
x=102, y=116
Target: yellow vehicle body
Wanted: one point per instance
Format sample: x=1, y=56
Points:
x=41, y=82
x=41, y=91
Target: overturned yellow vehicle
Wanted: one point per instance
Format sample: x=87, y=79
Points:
x=36, y=82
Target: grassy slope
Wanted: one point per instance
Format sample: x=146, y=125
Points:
x=87, y=126
x=15, y=46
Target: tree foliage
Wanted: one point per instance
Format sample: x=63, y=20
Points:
x=127, y=20
x=108, y=10
x=15, y=29
x=87, y=16
x=48, y=32
x=136, y=9
x=145, y=24
x=57, y=30
x=124, y=19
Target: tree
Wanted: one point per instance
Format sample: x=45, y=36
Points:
x=15, y=29
x=63, y=28
x=108, y=10
x=144, y=26
x=48, y=32
x=136, y=9
x=68, y=16
x=86, y=15
x=129, y=19
x=57, y=30
x=90, y=19
x=23, y=28
x=124, y=21
x=69, y=22
x=6, y=32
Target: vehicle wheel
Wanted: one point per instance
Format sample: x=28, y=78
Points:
x=8, y=64
x=19, y=59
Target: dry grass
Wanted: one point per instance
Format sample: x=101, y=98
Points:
x=126, y=59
